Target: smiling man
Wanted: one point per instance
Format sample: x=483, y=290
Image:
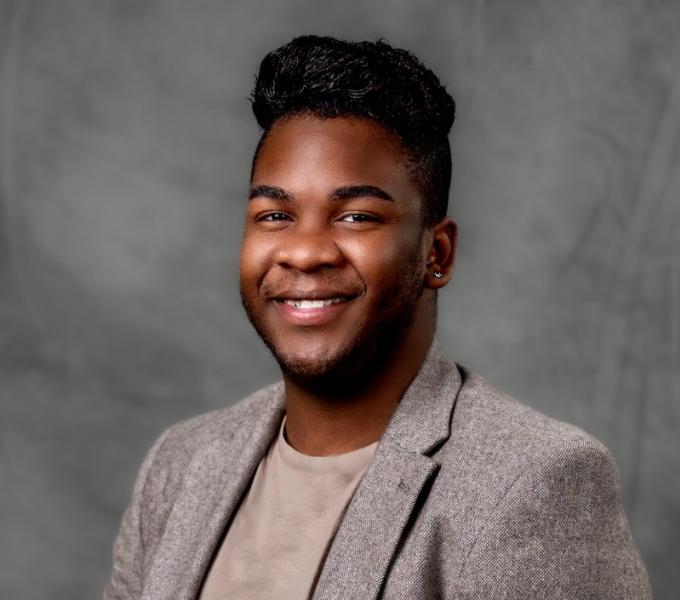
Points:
x=376, y=467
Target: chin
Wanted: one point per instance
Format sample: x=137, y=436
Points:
x=334, y=364
x=340, y=372
x=314, y=363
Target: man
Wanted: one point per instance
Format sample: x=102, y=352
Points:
x=377, y=467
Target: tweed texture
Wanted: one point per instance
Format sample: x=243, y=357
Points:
x=471, y=495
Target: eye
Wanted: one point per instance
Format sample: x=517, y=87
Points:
x=359, y=218
x=273, y=216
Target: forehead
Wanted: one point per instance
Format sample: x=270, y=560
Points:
x=305, y=149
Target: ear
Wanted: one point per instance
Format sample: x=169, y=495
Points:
x=442, y=253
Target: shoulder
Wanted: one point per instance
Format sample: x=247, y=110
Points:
x=162, y=472
x=541, y=496
x=497, y=428
x=498, y=445
x=182, y=439
x=224, y=420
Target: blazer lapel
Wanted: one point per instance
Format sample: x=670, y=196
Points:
x=393, y=487
x=214, y=483
x=367, y=538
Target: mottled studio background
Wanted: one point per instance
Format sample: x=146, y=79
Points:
x=125, y=141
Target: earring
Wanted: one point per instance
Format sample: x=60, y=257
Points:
x=438, y=274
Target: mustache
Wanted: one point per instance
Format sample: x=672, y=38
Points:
x=279, y=286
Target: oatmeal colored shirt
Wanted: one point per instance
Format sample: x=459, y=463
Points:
x=279, y=537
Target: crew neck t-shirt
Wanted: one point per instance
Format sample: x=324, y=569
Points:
x=279, y=537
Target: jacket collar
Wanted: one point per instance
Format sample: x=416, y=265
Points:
x=422, y=420
x=386, y=501
x=374, y=522
x=214, y=482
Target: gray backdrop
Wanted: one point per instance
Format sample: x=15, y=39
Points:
x=125, y=141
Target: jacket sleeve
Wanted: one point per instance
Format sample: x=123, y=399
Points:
x=129, y=550
x=559, y=532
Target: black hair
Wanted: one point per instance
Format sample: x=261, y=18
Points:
x=329, y=78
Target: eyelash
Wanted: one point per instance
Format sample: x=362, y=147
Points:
x=363, y=218
x=272, y=214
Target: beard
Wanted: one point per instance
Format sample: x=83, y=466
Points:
x=365, y=356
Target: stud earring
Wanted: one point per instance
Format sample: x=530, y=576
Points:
x=438, y=274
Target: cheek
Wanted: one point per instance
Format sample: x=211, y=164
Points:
x=383, y=259
x=254, y=258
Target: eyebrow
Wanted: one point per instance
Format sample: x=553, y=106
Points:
x=347, y=192
x=269, y=191
x=358, y=191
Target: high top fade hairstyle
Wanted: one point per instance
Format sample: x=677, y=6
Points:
x=327, y=77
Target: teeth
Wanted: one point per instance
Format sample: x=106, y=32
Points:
x=306, y=304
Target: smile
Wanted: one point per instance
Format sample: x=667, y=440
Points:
x=307, y=312
x=307, y=304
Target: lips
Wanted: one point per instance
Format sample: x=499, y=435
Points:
x=311, y=307
x=305, y=304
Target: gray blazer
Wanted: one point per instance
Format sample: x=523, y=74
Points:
x=470, y=495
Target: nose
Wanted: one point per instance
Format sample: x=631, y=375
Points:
x=309, y=249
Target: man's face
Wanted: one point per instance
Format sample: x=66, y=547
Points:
x=333, y=260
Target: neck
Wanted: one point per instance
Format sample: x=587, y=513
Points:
x=320, y=425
